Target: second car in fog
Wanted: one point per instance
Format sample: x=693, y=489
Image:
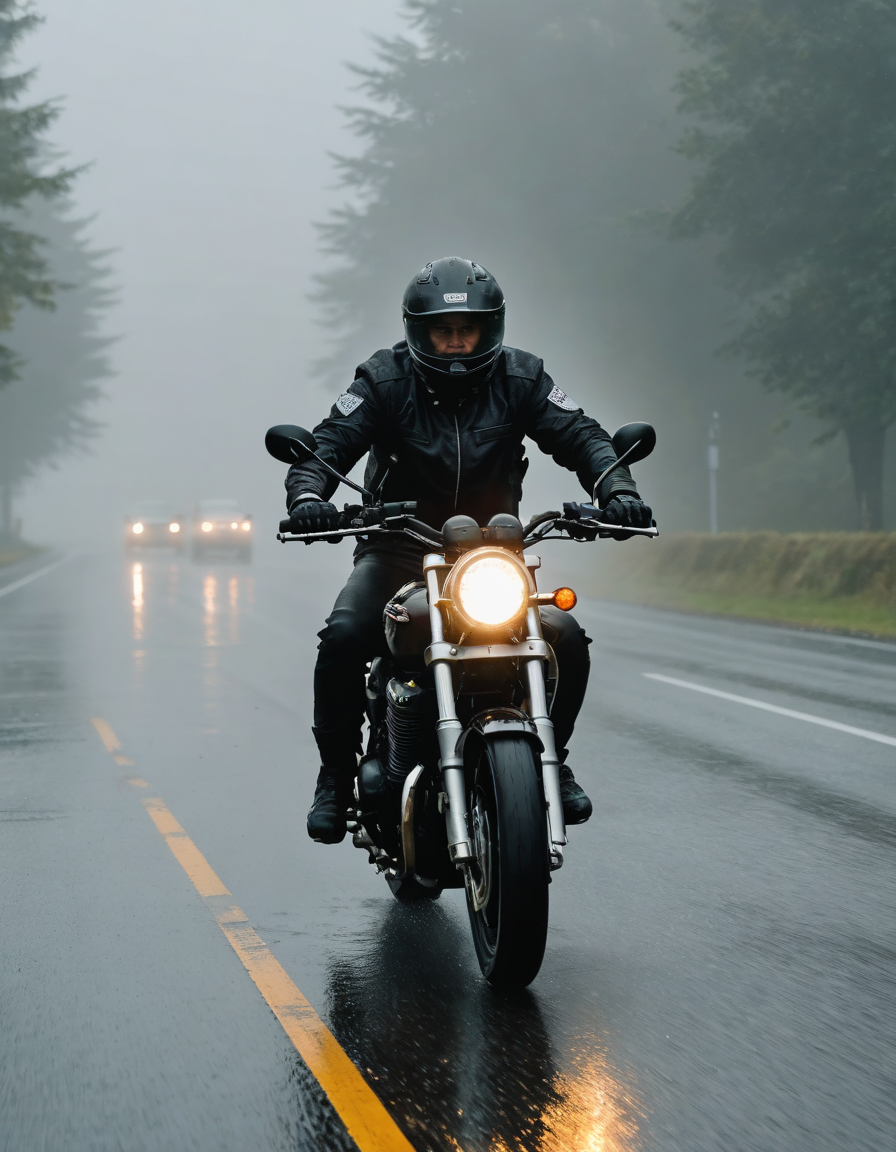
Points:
x=221, y=527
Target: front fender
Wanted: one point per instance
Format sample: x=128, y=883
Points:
x=497, y=722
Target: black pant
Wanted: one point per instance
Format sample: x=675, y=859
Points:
x=354, y=635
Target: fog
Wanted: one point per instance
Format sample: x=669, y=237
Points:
x=207, y=126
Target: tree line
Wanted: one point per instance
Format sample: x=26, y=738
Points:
x=53, y=285
x=694, y=202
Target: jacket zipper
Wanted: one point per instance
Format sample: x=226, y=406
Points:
x=457, y=489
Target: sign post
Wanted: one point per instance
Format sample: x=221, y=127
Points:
x=713, y=464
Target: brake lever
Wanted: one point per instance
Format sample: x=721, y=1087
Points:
x=584, y=516
x=610, y=531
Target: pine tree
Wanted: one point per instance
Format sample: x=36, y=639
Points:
x=25, y=177
x=796, y=170
x=62, y=356
x=529, y=128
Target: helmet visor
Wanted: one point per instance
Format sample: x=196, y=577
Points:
x=463, y=337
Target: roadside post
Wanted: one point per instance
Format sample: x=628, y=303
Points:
x=713, y=464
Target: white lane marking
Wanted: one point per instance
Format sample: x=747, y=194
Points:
x=835, y=724
x=33, y=576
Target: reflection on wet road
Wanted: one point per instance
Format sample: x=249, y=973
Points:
x=468, y=1068
x=720, y=971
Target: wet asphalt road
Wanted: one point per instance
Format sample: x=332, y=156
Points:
x=721, y=968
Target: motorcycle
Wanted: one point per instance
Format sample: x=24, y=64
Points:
x=459, y=785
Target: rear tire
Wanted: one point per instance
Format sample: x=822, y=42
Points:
x=510, y=835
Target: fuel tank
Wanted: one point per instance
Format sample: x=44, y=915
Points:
x=406, y=623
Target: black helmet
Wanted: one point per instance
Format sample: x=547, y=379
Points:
x=453, y=285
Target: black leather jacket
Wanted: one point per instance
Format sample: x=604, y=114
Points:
x=456, y=453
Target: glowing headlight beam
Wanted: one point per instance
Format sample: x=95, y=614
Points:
x=206, y=526
x=174, y=527
x=492, y=591
x=138, y=528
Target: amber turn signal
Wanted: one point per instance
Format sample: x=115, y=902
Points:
x=565, y=599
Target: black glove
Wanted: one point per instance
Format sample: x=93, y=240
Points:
x=313, y=516
x=627, y=512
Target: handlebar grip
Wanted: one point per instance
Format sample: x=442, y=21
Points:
x=573, y=511
x=345, y=519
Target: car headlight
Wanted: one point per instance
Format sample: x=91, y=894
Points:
x=174, y=527
x=138, y=528
x=246, y=525
x=206, y=526
x=491, y=590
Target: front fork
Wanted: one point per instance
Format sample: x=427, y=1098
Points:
x=449, y=730
x=550, y=765
x=449, y=727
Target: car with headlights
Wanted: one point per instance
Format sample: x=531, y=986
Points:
x=153, y=524
x=221, y=527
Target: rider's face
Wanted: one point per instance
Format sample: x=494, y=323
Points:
x=454, y=334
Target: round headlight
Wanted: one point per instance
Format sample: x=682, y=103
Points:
x=206, y=526
x=492, y=591
x=138, y=528
x=174, y=526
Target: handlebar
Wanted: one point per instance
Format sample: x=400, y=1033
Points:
x=358, y=517
x=577, y=521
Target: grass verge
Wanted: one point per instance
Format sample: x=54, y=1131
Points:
x=13, y=553
x=843, y=582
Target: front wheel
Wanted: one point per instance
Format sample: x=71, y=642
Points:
x=507, y=889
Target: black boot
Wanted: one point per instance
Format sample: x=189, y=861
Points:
x=576, y=805
x=333, y=794
x=326, y=819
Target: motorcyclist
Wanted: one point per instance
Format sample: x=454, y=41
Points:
x=445, y=411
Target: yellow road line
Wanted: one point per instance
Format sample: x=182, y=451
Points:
x=106, y=734
x=185, y=851
x=360, y=1109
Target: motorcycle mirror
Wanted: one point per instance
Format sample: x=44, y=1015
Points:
x=634, y=441
x=286, y=442
x=277, y=441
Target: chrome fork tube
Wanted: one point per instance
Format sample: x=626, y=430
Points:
x=448, y=728
x=550, y=766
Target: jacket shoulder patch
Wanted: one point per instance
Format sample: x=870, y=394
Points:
x=347, y=403
x=558, y=396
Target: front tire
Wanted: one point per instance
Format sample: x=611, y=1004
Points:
x=507, y=891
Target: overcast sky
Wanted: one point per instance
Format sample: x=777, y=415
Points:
x=208, y=124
